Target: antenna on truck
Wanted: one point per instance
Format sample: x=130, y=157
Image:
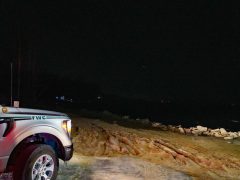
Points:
x=11, y=84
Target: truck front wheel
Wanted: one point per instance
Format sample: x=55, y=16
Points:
x=37, y=161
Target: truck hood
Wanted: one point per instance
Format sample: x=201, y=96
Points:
x=27, y=111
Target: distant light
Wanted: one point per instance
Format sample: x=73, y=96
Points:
x=99, y=97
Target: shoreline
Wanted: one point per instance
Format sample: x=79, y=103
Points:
x=146, y=123
x=198, y=131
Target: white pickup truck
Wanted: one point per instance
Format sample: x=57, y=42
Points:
x=32, y=141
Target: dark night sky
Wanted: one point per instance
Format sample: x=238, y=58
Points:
x=187, y=50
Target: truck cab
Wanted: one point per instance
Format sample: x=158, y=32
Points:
x=32, y=141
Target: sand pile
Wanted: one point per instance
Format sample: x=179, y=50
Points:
x=96, y=138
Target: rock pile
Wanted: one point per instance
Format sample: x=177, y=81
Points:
x=143, y=121
x=199, y=131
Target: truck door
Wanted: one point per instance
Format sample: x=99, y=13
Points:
x=3, y=127
x=6, y=125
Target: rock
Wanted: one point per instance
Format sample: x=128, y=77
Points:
x=159, y=125
x=176, y=130
x=164, y=127
x=215, y=130
x=233, y=134
x=207, y=133
x=171, y=128
x=201, y=128
x=156, y=124
x=238, y=133
x=196, y=132
x=217, y=134
x=228, y=138
x=223, y=132
x=187, y=130
x=181, y=130
x=211, y=133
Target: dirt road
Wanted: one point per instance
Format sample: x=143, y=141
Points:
x=121, y=168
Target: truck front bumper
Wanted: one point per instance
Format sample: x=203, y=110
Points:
x=68, y=151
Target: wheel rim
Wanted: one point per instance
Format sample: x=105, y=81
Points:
x=43, y=168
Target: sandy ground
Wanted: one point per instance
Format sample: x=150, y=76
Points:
x=106, y=150
x=115, y=168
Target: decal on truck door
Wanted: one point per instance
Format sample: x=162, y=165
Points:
x=39, y=117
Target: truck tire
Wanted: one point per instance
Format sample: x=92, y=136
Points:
x=37, y=161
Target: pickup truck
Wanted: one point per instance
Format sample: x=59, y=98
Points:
x=32, y=142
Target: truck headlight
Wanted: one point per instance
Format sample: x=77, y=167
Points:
x=67, y=126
